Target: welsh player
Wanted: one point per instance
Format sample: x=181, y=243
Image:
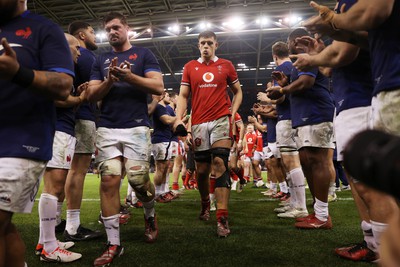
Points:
x=206, y=79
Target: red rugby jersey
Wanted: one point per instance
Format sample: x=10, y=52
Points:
x=208, y=86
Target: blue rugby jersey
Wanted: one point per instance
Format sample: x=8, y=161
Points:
x=271, y=130
x=352, y=84
x=83, y=69
x=283, y=109
x=171, y=112
x=384, y=44
x=27, y=118
x=124, y=106
x=312, y=105
x=162, y=132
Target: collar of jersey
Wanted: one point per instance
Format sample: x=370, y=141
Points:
x=214, y=59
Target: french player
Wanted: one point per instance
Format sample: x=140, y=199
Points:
x=122, y=79
x=27, y=112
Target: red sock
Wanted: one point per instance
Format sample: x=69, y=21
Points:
x=212, y=184
x=233, y=175
x=188, y=176
x=222, y=213
x=175, y=186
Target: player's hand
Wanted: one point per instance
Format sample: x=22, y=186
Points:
x=189, y=140
x=274, y=92
x=311, y=45
x=323, y=23
x=280, y=78
x=239, y=146
x=303, y=62
x=262, y=97
x=122, y=71
x=251, y=119
x=8, y=61
x=158, y=98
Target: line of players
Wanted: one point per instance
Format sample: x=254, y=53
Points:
x=311, y=143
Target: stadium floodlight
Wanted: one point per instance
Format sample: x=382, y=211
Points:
x=204, y=25
x=262, y=21
x=234, y=23
x=132, y=33
x=148, y=30
x=174, y=28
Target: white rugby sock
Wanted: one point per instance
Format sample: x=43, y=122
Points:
x=111, y=224
x=378, y=229
x=159, y=189
x=47, y=217
x=283, y=187
x=368, y=235
x=73, y=221
x=298, y=181
x=59, y=211
x=321, y=210
x=148, y=208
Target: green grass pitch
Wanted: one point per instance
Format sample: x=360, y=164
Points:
x=258, y=237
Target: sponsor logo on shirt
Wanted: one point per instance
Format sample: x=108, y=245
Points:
x=31, y=149
x=24, y=33
x=208, y=77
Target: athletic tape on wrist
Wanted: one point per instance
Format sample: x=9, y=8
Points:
x=24, y=77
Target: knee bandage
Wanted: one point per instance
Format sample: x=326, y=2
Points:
x=224, y=180
x=110, y=167
x=138, y=177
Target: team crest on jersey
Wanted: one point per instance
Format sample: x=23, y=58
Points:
x=208, y=77
x=197, y=68
x=133, y=57
x=24, y=33
x=197, y=141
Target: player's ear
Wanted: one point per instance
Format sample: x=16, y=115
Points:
x=216, y=45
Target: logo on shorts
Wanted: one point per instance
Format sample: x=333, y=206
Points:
x=31, y=149
x=5, y=199
x=197, y=141
x=69, y=158
x=208, y=77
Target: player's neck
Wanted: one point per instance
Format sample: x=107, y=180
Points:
x=122, y=48
x=280, y=61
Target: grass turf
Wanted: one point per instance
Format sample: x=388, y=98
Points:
x=258, y=237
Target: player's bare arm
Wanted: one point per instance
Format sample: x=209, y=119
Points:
x=237, y=97
x=181, y=105
x=338, y=54
x=304, y=82
x=53, y=84
x=73, y=101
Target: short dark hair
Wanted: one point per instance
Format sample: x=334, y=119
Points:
x=172, y=94
x=280, y=49
x=76, y=26
x=299, y=32
x=115, y=15
x=207, y=34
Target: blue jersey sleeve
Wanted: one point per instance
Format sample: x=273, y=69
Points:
x=55, y=54
x=151, y=62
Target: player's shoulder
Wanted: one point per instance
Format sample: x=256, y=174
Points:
x=38, y=20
